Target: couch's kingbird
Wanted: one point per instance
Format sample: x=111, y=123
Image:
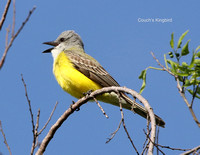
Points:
x=78, y=73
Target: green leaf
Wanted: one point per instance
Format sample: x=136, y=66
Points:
x=173, y=64
x=166, y=61
x=183, y=74
x=197, y=48
x=180, y=78
x=192, y=61
x=197, y=61
x=187, y=83
x=143, y=77
x=198, y=90
x=172, y=41
x=198, y=54
x=181, y=38
x=185, y=50
x=197, y=96
x=184, y=64
x=192, y=93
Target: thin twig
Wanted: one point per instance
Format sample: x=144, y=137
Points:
x=4, y=137
x=100, y=107
x=123, y=122
x=124, y=125
x=4, y=13
x=114, y=133
x=14, y=36
x=157, y=138
x=36, y=129
x=37, y=122
x=163, y=67
x=29, y=103
x=166, y=147
x=194, y=95
x=191, y=151
x=147, y=141
x=14, y=15
x=31, y=113
x=7, y=33
x=187, y=103
x=48, y=119
x=154, y=143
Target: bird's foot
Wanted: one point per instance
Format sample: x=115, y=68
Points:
x=88, y=92
x=77, y=109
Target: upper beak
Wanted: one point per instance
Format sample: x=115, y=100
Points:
x=52, y=43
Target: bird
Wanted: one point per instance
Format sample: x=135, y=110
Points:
x=78, y=73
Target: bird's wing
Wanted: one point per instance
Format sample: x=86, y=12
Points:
x=91, y=68
x=94, y=71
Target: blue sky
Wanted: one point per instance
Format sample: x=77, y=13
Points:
x=113, y=35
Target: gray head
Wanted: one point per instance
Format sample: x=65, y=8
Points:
x=68, y=38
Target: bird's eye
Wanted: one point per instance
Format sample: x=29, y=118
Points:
x=62, y=39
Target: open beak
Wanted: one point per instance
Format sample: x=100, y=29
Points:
x=52, y=43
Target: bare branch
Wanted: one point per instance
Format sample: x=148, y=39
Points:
x=4, y=137
x=48, y=119
x=100, y=107
x=29, y=104
x=187, y=103
x=31, y=113
x=154, y=143
x=163, y=67
x=90, y=96
x=14, y=36
x=35, y=127
x=124, y=125
x=147, y=141
x=37, y=122
x=7, y=33
x=4, y=13
x=194, y=150
x=114, y=133
x=193, y=97
x=14, y=15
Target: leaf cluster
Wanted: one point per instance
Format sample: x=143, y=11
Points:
x=188, y=73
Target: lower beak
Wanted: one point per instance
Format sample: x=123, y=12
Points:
x=48, y=50
x=52, y=43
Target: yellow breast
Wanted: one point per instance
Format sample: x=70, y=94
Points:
x=70, y=79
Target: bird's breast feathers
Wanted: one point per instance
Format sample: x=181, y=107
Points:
x=70, y=79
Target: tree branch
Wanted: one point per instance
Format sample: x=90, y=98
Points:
x=4, y=14
x=4, y=137
x=35, y=127
x=48, y=119
x=187, y=103
x=14, y=36
x=90, y=96
x=104, y=113
x=194, y=150
x=32, y=119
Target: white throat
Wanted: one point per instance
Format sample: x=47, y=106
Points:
x=62, y=47
x=57, y=50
